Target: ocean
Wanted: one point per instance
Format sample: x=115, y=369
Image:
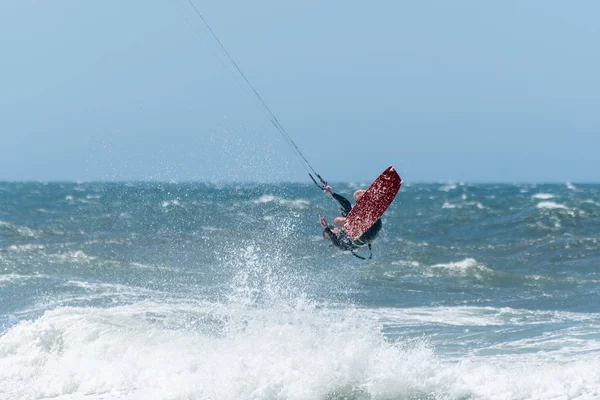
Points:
x=180, y=291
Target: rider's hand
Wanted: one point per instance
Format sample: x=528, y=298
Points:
x=327, y=189
x=323, y=222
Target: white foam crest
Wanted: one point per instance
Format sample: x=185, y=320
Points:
x=458, y=265
x=115, y=292
x=477, y=204
x=526, y=377
x=477, y=316
x=407, y=263
x=108, y=287
x=562, y=344
x=153, y=267
x=172, y=204
x=161, y=350
x=542, y=196
x=261, y=354
x=570, y=186
x=22, y=248
x=104, y=241
x=72, y=199
x=20, y=230
x=267, y=198
x=466, y=267
x=72, y=256
x=12, y=278
x=295, y=203
x=448, y=187
x=550, y=205
x=449, y=205
x=590, y=201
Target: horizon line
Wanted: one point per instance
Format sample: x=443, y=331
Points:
x=233, y=182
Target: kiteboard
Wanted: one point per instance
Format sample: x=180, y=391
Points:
x=373, y=203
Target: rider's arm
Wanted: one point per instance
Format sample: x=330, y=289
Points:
x=344, y=203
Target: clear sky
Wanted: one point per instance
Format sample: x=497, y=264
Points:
x=481, y=91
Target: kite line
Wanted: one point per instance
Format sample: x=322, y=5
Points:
x=262, y=104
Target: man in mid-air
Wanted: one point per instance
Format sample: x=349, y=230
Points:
x=337, y=235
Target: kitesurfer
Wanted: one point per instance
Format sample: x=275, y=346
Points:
x=337, y=235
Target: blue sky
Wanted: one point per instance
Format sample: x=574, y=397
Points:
x=465, y=91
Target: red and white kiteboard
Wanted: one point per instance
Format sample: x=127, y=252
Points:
x=373, y=203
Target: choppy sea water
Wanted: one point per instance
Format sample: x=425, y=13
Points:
x=201, y=291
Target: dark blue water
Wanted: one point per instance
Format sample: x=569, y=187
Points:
x=201, y=291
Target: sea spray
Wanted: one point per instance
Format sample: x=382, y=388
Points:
x=118, y=297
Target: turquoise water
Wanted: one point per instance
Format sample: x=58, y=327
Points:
x=201, y=291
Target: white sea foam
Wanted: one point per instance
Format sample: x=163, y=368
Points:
x=267, y=340
x=20, y=230
x=550, y=205
x=448, y=187
x=171, y=203
x=23, y=248
x=71, y=256
x=542, y=196
x=296, y=203
x=466, y=267
x=407, y=263
x=72, y=199
x=526, y=377
x=80, y=284
x=211, y=228
x=154, y=267
x=267, y=198
x=108, y=289
x=477, y=316
x=6, y=279
x=459, y=265
x=222, y=351
x=477, y=204
x=463, y=204
x=260, y=354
